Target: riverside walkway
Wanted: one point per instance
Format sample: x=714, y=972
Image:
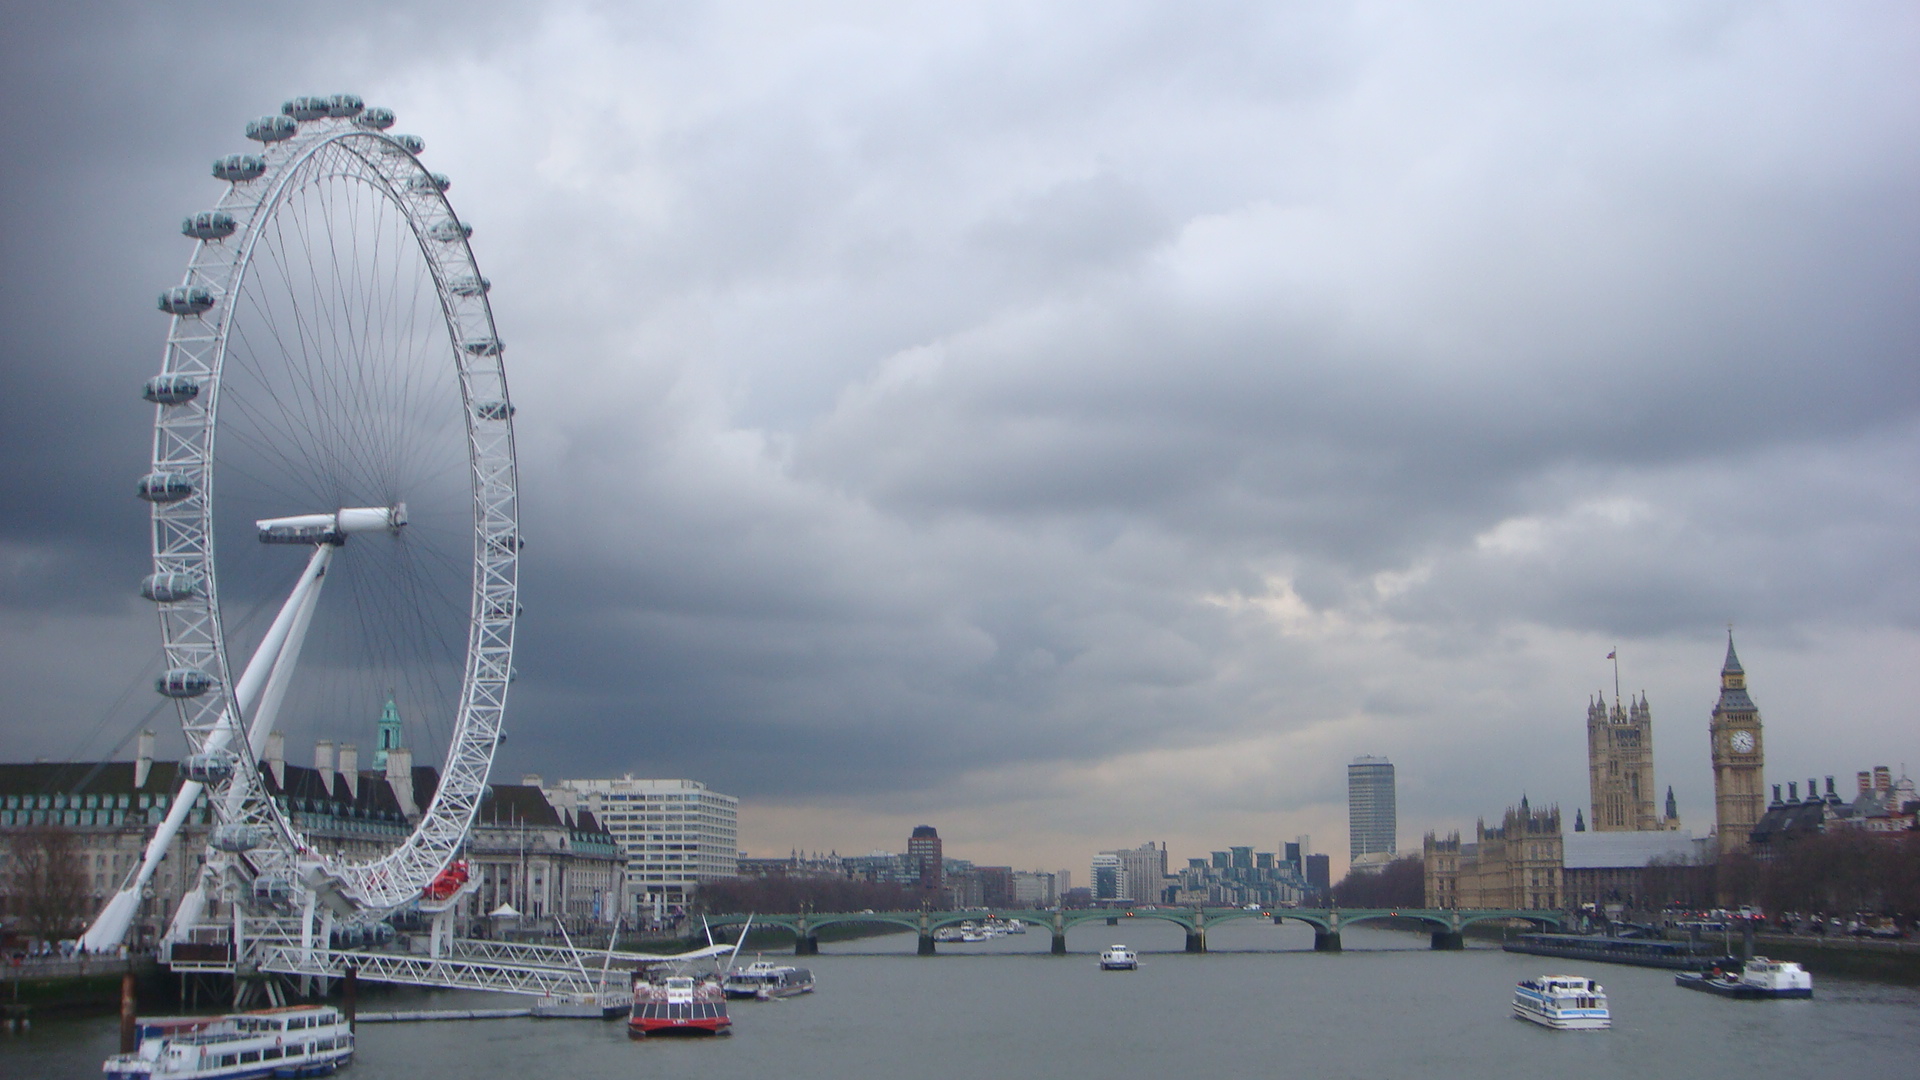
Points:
x=1448, y=925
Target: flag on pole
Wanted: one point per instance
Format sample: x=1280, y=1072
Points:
x=1613, y=655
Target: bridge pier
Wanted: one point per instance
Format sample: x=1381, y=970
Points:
x=806, y=945
x=1449, y=940
x=926, y=945
x=1196, y=941
x=1326, y=940
x=1059, y=943
x=1113, y=920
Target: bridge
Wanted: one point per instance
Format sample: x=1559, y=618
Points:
x=1448, y=924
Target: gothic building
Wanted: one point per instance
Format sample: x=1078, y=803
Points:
x=1739, y=758
x=1516, y=864
x=1620, y=766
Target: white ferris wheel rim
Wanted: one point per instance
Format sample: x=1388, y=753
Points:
x=183, y=539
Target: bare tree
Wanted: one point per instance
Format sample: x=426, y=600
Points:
x=48, y=882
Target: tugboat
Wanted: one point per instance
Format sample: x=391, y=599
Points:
x=1119, y=958
x=1563, y=1003
x=300, y=1040
x=1757, y=978
x=679, y=1005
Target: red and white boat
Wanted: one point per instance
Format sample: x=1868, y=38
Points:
x=679, y=1005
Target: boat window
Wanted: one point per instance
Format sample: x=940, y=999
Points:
x=249, y=1055
x=270, y=1053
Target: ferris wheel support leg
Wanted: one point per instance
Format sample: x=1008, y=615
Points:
x=110, y=926
x=280, y=664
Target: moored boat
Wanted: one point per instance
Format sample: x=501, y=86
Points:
x=679, y=1005
x=1757, y=978
x=1563, y=1003
x=1119, y=958
x=300, y=1040
x=765, y=980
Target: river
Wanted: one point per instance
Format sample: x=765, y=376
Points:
x=1260, y=1004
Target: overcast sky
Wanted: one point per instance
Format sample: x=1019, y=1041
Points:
x=1070, y=425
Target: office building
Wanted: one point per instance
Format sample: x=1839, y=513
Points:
x=925, y=848
x=675, y=833
x=1371, y=817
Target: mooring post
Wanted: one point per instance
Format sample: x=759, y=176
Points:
x=129, y=1012
x=350, y=994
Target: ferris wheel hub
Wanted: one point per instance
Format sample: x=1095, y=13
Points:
x=331, y=528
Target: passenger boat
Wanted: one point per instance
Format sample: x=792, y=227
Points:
x=1758, y=978
x=1119, y=958
x=300, y=1040
x=766, y=980
x=1640, y=952
x=679, y=1005
x=1563, y=1003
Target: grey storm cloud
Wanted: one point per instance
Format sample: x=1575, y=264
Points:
x=928, y=410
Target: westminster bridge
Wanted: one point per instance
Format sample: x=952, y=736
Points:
x=1448, y=925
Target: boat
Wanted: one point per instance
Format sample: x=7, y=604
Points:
x=949, y=933
x=1119, y=958
x=1757, y=978
x=299, y=1040
x=766, y=980
x=587, y=1006
x=1639, y=952
x=1563, y=1003
x=679, y=1005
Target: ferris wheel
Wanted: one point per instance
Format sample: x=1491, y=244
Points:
x=332, y=387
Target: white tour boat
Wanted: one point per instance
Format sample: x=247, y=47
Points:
x=1563, y=1003
x=1118, y=958
x=1758, y=978
x=300, y=1040
x=767, y=980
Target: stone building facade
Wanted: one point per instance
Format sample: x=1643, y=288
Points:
x=1620, y=766
x=1516, y=864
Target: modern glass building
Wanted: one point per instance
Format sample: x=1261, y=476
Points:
x=1371, y=819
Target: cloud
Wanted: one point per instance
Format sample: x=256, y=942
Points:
x=1105, y=420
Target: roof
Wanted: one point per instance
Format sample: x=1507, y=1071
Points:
x=85, y=778
x=1616, y=850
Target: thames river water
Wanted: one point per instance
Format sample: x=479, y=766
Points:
x=1260, y=1004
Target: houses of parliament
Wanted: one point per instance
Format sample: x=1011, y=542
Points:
x=1528, y=861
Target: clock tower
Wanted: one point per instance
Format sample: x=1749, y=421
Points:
x=1738, y=757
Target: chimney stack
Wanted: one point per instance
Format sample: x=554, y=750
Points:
x=1882, y=778
x=1866, y=781
x=323, y=760
x=400, y=779
x=277, y=758
x=143, y=759
x=350, y=768
x=1793, y=791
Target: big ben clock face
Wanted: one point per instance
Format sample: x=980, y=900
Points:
x=1742, y=742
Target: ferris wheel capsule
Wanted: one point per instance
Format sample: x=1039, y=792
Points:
x=183, y=682
x=449, y=231
x=186, y=300
x=493, y=409
x=376, y=118
x=169, y=588
x=469, y=285
x=209, y=225
x=209, y=767
x=240, y=168
x=412, y=144
x=344, y=106
x=236, y=837
x=271, y=129
x=165, y=487
x=430, y=182
x=307, y=108
x=171, y=389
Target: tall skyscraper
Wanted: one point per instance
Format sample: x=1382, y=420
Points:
x=1371, y=818
x=924, y=845
x=1739, y=759
x=1620, y=765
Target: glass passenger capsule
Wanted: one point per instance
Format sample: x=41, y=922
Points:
x=209, y=225
x=183, y=682
x=186, y=300
x=483, y=347
x=413, y=144
x=470, y=285
x=345, y=105
x=449, y=231
x=237, y=836
x=306, y=108
x=169, y=588
x=493, y=410
x=271, y=129
x=210, y=767
x=376, y=118
x=239, y=168
x=171, y=389
x=165, y=487
x=429, y=182
x=272, y=890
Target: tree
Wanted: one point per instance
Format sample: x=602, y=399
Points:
x=1400, y=883
x=48, y=882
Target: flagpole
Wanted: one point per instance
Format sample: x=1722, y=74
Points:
x=1615, y=655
